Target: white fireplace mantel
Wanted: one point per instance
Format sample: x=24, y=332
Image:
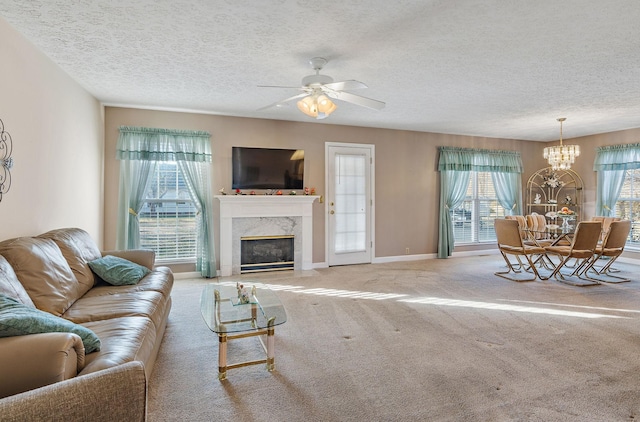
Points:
x=256, y=206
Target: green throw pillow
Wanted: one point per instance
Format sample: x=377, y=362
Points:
x=17, y=319
x=118, y=271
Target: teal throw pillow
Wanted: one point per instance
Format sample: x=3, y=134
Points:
x=118, y=271
x=17, y=319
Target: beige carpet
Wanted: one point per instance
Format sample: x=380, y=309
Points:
x=445, y=340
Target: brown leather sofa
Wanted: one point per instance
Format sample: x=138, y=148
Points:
x=48, y=376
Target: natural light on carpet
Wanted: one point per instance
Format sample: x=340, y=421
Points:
x=447, y=302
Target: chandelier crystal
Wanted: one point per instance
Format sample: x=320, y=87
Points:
x=561, y=157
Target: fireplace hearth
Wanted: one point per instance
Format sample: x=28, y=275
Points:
x=266, y=253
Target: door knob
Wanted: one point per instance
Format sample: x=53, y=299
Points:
x=332, y=212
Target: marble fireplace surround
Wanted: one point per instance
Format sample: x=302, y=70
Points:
x=265, y=215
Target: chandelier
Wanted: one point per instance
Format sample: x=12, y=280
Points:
x=561, y=157
x=316, y=105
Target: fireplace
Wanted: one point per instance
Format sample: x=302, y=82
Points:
x=261, y=215
x=266, y=253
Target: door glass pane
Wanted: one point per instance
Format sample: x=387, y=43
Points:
x=350, y=203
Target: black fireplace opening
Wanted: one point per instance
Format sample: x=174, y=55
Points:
x=266, y=253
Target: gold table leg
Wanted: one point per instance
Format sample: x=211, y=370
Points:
x=222, y=356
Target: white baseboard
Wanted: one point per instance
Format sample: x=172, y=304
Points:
x=401, y=258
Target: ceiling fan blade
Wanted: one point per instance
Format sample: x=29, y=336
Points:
x=286, y=100
x=342, y=85
x=357, y=99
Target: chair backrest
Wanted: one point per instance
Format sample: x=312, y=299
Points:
x=617, y=235
x=586, y=235
x=537, y=223
x=507, y=232
x=522, y=223
x=606, y=223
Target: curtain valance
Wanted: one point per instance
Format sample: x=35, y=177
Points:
x=140, y=143
x=468, y=159
x=617, y=157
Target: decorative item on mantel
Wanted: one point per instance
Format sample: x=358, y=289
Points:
x=6, y=161
x=222, y=192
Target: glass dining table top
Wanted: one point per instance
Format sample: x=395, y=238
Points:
x=223, y=313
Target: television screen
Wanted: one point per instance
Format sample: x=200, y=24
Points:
x=267, y=168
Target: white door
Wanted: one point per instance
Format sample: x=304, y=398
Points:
x=349, y=203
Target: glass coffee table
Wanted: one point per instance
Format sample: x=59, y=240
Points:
x=226, y=316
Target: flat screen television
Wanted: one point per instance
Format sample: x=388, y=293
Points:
x=267, y=168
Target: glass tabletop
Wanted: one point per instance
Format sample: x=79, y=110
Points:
x=225, y=314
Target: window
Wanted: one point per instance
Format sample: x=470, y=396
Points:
x=628, y=205
x=168, y=217
x=473, y=219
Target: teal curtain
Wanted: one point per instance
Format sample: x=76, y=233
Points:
x=198, y=178
x=139, y=149
x=611, y=163
x=468, y=159
x=508, y=191
x=453, y=189
x=135, y=177
x=608, y=191
x=454, y=166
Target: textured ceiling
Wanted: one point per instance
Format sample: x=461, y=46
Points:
x=495, y=68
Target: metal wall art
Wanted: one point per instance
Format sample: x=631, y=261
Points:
x=6, y=161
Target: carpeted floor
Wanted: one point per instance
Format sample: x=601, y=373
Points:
x=444, y=340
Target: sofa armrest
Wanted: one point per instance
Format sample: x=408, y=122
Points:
x=142, y=257
x=35, y=360
x=114, y=394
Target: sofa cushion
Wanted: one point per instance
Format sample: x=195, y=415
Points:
x=123, y=340
x=10, y=286
x=118, y=271
x=17, y=319
x=148, y=304
x=78, y=248
x=44, y=273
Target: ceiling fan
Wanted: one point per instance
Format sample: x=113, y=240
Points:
x=318, y=89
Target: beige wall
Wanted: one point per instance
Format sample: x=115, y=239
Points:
x=57, y=130
x=407, y=183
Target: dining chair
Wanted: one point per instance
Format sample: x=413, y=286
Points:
x=582, y=249
x=510, y=242
x=522, y=224
x=611, y=247
x=536, y=224
x=606, y=223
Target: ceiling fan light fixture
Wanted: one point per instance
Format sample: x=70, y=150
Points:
x=325, y=105
x=308, y=106
x=316, y=106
